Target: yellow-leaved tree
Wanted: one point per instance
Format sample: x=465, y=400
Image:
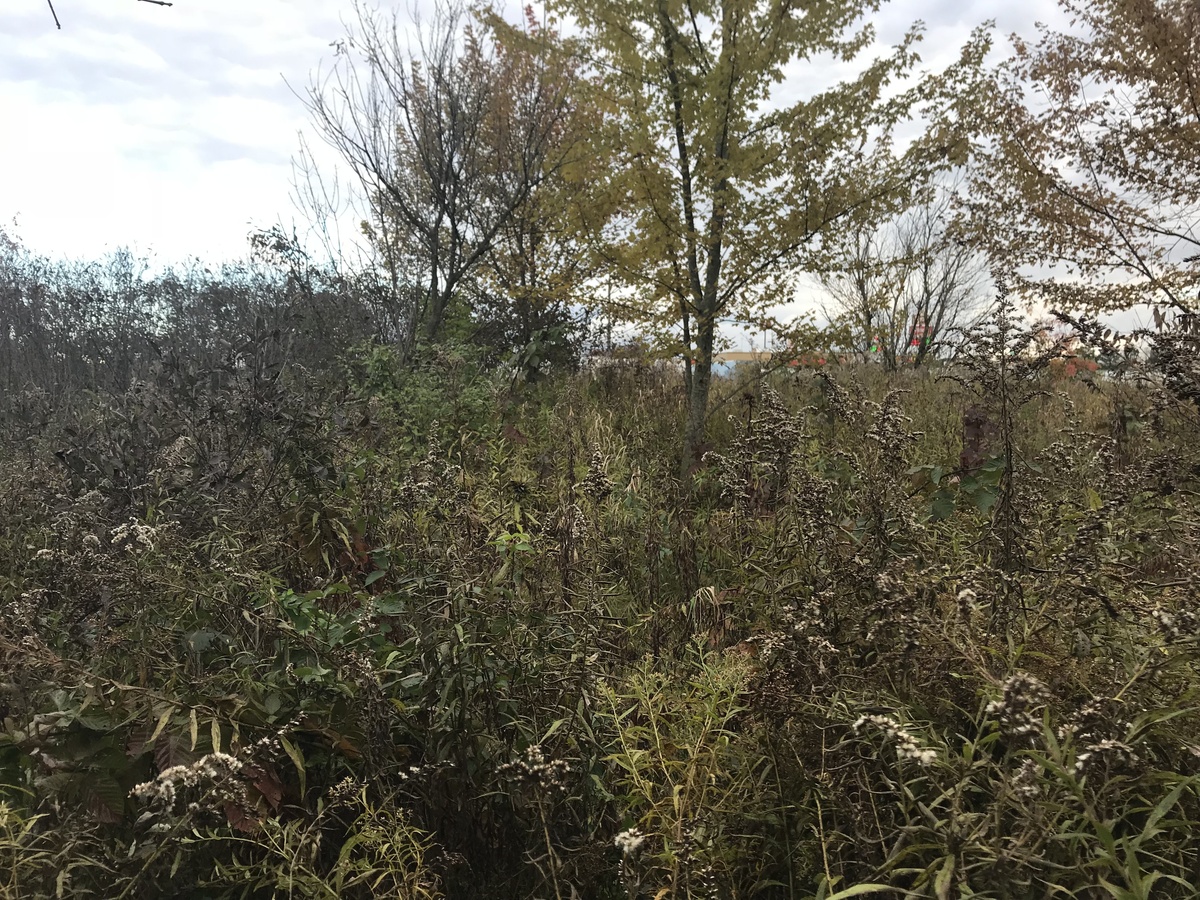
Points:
x=1087, y=187
x=729, y=167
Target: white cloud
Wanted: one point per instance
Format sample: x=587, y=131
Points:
x=163, y=128
x=172, y=128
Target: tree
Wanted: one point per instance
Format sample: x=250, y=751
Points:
x=905, y=287
x=449, y=136
x=721, y=192
x=532, y=286
x=72, y=325
x=1087, y=188
x=533, y=282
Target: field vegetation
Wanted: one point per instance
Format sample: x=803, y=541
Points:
x=284, y=625
x=332, y=580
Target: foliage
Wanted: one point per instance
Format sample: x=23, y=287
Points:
x=908, y=289
x=1089, y=159
x=446, y=634
x=464, y=148
x=68, y=327
x=717, y=190
x=294, y=602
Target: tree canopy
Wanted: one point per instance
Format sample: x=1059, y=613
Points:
x=903, y=290
x=452, y=136
x=723, y=181
x=1087, y=186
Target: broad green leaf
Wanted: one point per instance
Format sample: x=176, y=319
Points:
x=859, y=889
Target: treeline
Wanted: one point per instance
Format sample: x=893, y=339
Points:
x=104, y=325
x=101, y=325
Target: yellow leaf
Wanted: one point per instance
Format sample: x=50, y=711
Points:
x=193, y=727
x=162, y=723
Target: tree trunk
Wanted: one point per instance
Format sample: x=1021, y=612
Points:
x=437, y=314
x=697, y=413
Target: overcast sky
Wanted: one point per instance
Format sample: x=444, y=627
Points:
x=171, y=130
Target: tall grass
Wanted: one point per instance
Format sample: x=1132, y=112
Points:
x=436, y=633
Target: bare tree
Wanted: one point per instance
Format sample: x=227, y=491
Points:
x=906, y=287
x=448, y=141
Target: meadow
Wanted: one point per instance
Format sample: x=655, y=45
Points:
x=351, y=628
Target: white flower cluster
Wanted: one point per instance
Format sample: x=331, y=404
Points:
x=433, y=478
x=1107, y=751
x=345, y=792
x=176, y=455
x=802, y=630
x=906, y=744
x=572, y=525
x=1021, y=696
x=22, y=613
x=1025, y=782
x=596, y=484
x=549, y=775
x=359, y=669
x=135, y=536
x=906, y=627
x=968, y=604
x=88, y=544
x=420, y=773
x=630, y=842
x=803, y=620
x=1182, y=625
x=1096, y=719
x=212, y=775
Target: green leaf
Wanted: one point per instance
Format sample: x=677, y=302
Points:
x=1160, y=810
x=859, y=889
x=1118, y=892
x=162, y=723
x=297, y=759
x=945, y=879
x=389, y=606
x=985, y=500
x=200, y=641
x=942, y=507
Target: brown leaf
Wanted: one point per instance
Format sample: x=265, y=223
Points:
x=241, y=819
x=267, y=783
x=513, y=435
x=170, y=751
x=104, y=798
